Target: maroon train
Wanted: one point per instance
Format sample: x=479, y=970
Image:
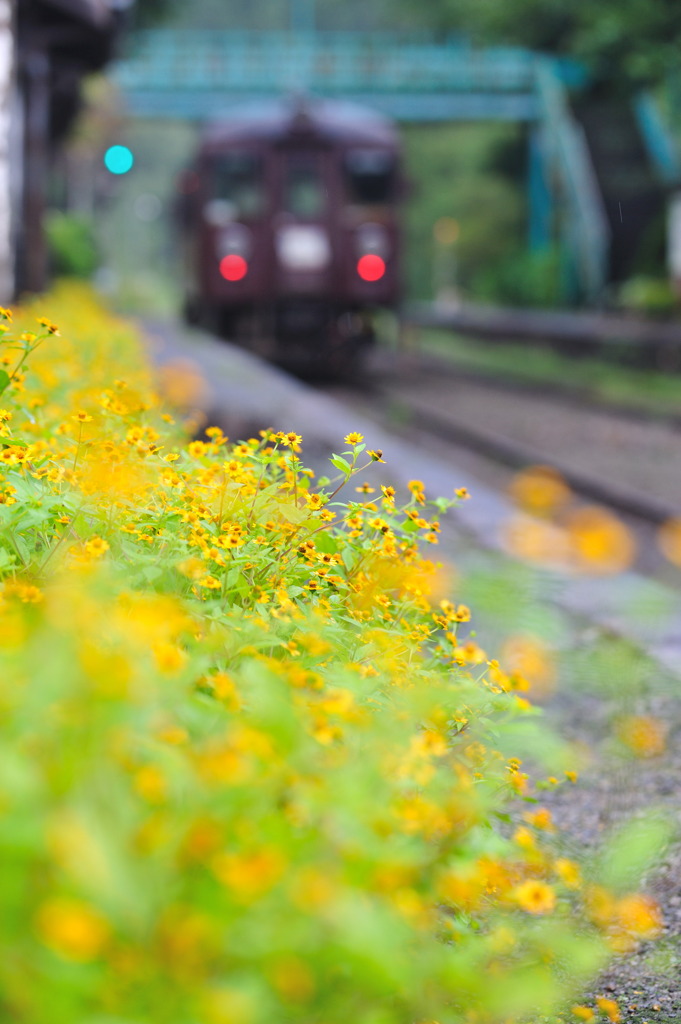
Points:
x=290, y=227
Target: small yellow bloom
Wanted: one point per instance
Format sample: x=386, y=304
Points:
x=541, y=819
x=353, y=438
x=644, y=735
x=210, y=582
x=72, y=929
x=290, y=440
x=535, y=897
x=568, y=872
x=584, y=1013
x=48, y=325
x=610, y=1008
x=96, y=546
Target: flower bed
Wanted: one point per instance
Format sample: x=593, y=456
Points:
x=253, y=771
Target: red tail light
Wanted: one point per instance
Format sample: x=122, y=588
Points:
x=233, y=267
x=371, y=267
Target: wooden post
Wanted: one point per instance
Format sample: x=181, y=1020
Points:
x=7, y=104
x=36, y=68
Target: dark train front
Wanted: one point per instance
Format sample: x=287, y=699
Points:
x=291, y=235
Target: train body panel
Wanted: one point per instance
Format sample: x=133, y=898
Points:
x=290, y=217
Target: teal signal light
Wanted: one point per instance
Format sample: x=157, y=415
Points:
x=119, y=159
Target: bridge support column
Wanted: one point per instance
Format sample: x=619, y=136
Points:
x=540, y=200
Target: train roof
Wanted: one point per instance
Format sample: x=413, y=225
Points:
x=271, y=120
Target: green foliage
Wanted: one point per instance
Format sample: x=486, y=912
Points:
x=352, y=15
x=148, y=13
x=450, y=168
x=626, y=44
x=648, y=295
x=533, y=279
x=72, y=246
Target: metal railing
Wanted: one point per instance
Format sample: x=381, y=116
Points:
x=326, y=63
x=661, y=148
x=570, y=169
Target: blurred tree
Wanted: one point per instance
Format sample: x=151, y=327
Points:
x=150, y=12
x=626, y=43
x=275, y=14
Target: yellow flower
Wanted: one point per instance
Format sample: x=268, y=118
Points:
x=249, y=875
x=584, y=1013
x=82, y=417
x=644, y=735
x=535, y=897
x=169, y=657
x=96, y=546
x=210, y=582
x=290, y=440
x=638, y=917
x=72, y=929
x=353, y=438
x=48, y=325
x=610, y=1008
x=315, y=501
x=376, y=454
x=541, y=819
x=568, y=872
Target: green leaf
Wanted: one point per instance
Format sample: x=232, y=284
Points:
x=349, y=558
x=632, y=851
x=340, y=463
x=4, y=380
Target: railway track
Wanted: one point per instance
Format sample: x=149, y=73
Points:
x=628, y=465
x=569, y=394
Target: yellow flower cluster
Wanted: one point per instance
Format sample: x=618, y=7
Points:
x=252, y=770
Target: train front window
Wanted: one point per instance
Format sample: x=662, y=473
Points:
x=370, y=175
x=304, y=192
x=238, y=181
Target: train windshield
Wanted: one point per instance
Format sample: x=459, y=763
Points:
x=370, y=175
x=238, y=180
x=304, y=193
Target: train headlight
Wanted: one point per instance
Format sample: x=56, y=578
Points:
x=371, y=267
x=303, y=247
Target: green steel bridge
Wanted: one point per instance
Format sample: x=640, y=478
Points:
x=200, y=75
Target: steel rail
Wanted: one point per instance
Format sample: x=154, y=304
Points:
x=518, y=456
x=544, y=326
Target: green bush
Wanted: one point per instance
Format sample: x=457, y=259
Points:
x=534, y=279
x=72, y=246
